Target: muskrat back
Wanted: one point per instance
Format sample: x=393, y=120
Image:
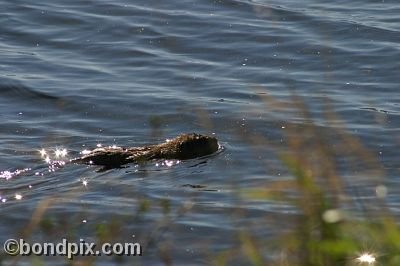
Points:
x=183, y=147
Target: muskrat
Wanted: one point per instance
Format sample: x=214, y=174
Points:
x=183, y=147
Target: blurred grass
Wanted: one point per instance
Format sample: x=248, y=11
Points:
x=328, y=229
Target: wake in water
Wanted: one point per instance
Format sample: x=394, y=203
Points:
x=19, y=91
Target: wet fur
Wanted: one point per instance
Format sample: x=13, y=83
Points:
x=183, y=147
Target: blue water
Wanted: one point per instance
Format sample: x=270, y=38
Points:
x=74, y=74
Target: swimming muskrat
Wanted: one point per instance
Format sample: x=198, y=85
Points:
x=183, y=147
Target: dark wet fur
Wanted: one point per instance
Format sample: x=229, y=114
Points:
x=183, y=147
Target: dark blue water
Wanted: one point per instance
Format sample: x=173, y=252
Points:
x=74, y=74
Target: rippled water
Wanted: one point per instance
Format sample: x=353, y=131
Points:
x=78, y=73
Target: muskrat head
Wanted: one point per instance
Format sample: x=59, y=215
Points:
x=188, y=146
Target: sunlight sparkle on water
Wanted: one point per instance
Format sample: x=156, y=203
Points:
x=84, y=182
x=6, y=175
x=366, y=258
x=60, y=153
x=18, y=196
x=47, y=159
x=43, y=152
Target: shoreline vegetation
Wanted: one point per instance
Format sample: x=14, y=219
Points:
x=331, y=224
